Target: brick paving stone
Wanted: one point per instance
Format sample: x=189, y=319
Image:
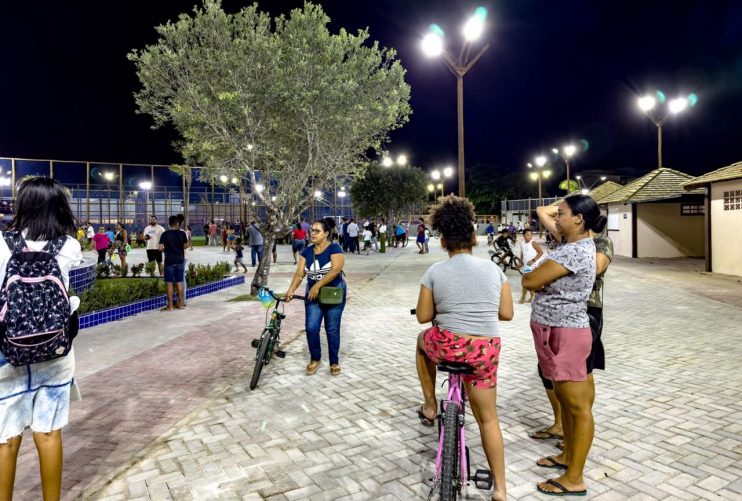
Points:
x=667, y=416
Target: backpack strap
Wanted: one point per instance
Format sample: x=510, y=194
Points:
x=54, y=246
x=14, y=240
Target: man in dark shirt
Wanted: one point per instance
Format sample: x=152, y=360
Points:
x=173, y=243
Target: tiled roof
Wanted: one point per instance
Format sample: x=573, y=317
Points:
x=657, y=185
x=597, y=193
x=727, y=173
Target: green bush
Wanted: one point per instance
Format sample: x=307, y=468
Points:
x=150, y=268
x=102, y=271
x=137, y=269
x=124, y=270
x=108, y=293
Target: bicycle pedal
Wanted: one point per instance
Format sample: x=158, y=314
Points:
x=255, y=343
x=482, y=479
x=280, y=354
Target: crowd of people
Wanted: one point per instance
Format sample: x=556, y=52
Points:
x=565, y=288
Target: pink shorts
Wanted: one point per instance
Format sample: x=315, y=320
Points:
x=562, y=351
x=482, y=353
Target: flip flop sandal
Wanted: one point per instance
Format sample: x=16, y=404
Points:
x=553, y=463
x=426, y=421
x=544, y=435
x=563, y=491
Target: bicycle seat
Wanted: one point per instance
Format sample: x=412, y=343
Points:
x=455, y=367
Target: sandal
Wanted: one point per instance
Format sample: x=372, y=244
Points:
x=335, y=370
x=544, y=435
x=563, y=491
x=425, y=420
x=312, y=367
x=551, y=463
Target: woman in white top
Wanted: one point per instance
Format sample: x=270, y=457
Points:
x=37, y=396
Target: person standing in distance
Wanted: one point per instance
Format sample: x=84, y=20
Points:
x=152, y=235
x=37, y=396
x=173, y=244
x=255, y=237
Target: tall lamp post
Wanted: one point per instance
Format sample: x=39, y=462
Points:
x=433, y=46
x=109, y=178
x=648, y=104
x=537, y=174
x=441, y=175
x=146, y=186
x=566, y=154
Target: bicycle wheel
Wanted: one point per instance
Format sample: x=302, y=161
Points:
x=450, y=461
x=266, y=338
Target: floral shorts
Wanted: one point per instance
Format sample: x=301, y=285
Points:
x=482, y=353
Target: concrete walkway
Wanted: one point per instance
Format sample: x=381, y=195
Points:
x=167, y=413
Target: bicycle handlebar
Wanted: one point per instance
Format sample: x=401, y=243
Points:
x=280, y=299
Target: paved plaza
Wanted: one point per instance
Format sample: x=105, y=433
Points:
x=167, y=413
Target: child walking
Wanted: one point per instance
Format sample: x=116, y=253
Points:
x=366, y=240
x=238, y=256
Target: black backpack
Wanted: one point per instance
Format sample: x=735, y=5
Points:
x=35, y=320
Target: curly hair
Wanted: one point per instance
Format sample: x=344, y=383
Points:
x=454, y=218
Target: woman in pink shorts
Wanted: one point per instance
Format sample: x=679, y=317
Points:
x=562, y=336
x=466, y=313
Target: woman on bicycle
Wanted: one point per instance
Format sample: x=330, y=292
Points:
x=466, y=315
x=562, y=337
x=322, y=262
x=37, y=396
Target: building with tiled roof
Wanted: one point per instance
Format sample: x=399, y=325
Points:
x=723, y=217
x=654, y=216
x=596, y=193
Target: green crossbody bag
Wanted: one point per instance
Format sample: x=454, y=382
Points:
x=329, y=296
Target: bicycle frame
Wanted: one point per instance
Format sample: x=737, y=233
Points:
x=456, y=394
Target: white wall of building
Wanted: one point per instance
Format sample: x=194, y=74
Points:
x=619, y=228
x=661, y=231
x=726, y=231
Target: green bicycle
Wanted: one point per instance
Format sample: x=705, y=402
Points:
x=269, y=342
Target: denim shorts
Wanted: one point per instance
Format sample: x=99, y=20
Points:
x=35, y=396
x=174, y=273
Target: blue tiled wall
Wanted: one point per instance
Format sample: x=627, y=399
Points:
x=83, y=278
x=119, y=312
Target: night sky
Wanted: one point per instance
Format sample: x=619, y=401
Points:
x=556, y=71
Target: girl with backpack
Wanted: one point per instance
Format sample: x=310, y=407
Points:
x=37, y=395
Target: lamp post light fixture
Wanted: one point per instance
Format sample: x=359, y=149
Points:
x=538, y=174
x=433, y=46
x=146, y=186
x=648, y=104
x=388, y=161
x=566, y=154
x=108, y=177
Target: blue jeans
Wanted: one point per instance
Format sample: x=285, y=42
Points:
x=256, y=251
x=332, y=315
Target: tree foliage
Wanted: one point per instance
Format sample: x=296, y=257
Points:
x=282, y=102
x=488, y=185
x=388, y=191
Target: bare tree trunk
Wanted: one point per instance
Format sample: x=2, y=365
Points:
x=260, y=279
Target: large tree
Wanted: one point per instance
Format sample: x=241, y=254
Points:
x=284, y=105
x=388, y=190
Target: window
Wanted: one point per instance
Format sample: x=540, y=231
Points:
x=692, y=210
x=733, y=200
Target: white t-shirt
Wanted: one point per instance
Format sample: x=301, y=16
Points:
x=353, y=230
x=367, y=235
x=154, y=233
x=382, y=228
x=90, y=232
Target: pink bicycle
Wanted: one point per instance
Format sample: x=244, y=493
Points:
x=452, y=466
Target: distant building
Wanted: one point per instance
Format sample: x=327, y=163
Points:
x=723, y=218
x=654, y=216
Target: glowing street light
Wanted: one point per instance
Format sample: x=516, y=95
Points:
x=433, y=45
x=566, y=153
x=223, y=179
x=648, y=104
x=448, y=171
x=146, y=186
x=259, y=188
x=402, y=160
x=435, y=175
x=317, y=194
x=537, y=174
x=109, y=176
x=387, y=162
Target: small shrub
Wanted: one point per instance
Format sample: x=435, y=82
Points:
x=116, y=270
x=102, y=271
x=137, y=269
x=124, y=270
x=150, y=268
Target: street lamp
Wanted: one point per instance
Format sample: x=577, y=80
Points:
x=433, y=46
x=648, y=104
x=536, y=175
x=388, y=161
x=146, y=186
x=109, y=177
x=566, y=154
